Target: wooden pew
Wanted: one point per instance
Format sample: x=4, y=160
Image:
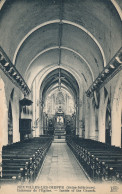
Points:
x=91, y=154
x=21, y=161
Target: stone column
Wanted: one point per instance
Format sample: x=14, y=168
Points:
x=36, y=113
x=3, y=121
x=16, y=134
x=77, y=120
x=80, y=118
x=116, y=114
x=116, y=122
x=0, y=162
x=92, y=133
x=3, y=131
x=41, y=117
x=15, y=110
x=3, y=117
x=87, y=119
x=101, y=125
x=101, y=116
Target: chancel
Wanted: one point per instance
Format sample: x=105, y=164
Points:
x=59, y=132
x=60, y=91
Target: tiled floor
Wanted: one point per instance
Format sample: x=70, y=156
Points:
x=60, y=165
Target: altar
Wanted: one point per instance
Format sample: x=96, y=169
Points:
x=59, y=132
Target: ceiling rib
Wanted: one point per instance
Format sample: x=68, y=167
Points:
x=60, y=30
x=61, y=22
x=65, y=48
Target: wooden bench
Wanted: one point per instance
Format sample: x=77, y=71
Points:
x=21, y=161
x=91, y=154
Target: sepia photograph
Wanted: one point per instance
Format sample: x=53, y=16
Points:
x=60, y=96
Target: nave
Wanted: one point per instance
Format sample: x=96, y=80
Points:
x=61, y=166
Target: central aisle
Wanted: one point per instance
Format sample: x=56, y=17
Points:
x=61, y=166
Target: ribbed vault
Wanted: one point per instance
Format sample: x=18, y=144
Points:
x=81, y=34
x=67, y=80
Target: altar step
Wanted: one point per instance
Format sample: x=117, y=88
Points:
x=59, y=136
x=59, y=133
x=59, y=141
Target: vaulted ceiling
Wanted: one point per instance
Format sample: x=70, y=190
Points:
x=67, y=79
x=79, y=36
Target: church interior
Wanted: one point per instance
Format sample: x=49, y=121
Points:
x=60, y=91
